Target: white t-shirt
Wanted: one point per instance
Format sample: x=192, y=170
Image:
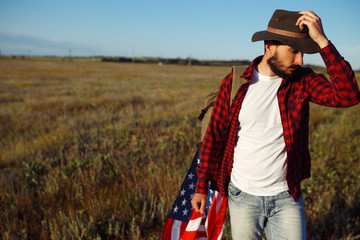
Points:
x=259, y=166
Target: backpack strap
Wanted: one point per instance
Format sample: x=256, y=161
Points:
x=204, y=117
x=237, y=80
x=209, y=103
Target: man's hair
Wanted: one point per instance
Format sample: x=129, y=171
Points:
x=273, y=42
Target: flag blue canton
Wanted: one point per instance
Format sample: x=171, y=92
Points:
x=182, y=207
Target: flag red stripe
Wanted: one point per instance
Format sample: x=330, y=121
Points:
x=193, y=225
x=182, y=228
x=216, y=217
x=167, y=229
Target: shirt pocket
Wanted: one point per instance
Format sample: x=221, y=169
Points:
x=298, y=96
x=298, y=105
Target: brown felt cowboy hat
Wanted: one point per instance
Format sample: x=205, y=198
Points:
x=282, y=27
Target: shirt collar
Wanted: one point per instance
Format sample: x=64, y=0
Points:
x=248, y=73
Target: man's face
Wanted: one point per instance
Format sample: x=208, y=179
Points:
x=285, y=61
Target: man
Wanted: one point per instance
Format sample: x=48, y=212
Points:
x=256, y=150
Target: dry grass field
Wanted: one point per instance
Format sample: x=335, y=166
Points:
x=95, y=150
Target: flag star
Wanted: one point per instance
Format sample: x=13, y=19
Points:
x=191, y=186
x=192, y=195
x=185, y=212
x=183, y=202
x=191, y=175
x=198, y=161
x=211, y=191
x=175, y=209
x=182, y=193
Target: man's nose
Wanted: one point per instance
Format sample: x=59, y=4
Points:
x=299, y=58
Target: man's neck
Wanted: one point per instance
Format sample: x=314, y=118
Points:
x=264, y=69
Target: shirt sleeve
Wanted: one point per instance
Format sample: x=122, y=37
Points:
x=210, y=144
x=342, y=89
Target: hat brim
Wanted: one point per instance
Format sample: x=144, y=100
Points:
x=304, y=45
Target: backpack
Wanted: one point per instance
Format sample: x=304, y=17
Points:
x=205, y=114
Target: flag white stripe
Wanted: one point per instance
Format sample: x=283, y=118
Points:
x=221, y=233
x=175, y=232
x=193, y=225
x=218, y=202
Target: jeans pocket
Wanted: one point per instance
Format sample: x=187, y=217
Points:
x=288, y=194
x=234, y=191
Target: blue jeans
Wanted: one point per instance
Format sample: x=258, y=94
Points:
x=280, y=216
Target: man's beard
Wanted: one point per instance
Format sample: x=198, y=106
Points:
x=277, y=68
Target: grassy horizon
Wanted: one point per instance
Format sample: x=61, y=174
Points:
x=98, y=150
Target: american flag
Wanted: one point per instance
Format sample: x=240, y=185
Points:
x=185, y=223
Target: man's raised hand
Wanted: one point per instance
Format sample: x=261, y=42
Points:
x=316, y=31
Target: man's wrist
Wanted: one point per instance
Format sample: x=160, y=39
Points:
x=323, y=43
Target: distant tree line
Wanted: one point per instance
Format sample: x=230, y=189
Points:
x=177, y=61
x=192, y=61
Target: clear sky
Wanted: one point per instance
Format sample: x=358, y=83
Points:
x=216, y=30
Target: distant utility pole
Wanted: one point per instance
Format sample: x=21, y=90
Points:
x=189, y=60
x=69, y=53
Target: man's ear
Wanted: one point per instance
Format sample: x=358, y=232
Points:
x=270, y=48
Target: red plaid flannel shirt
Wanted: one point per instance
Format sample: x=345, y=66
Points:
x=217, y=151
